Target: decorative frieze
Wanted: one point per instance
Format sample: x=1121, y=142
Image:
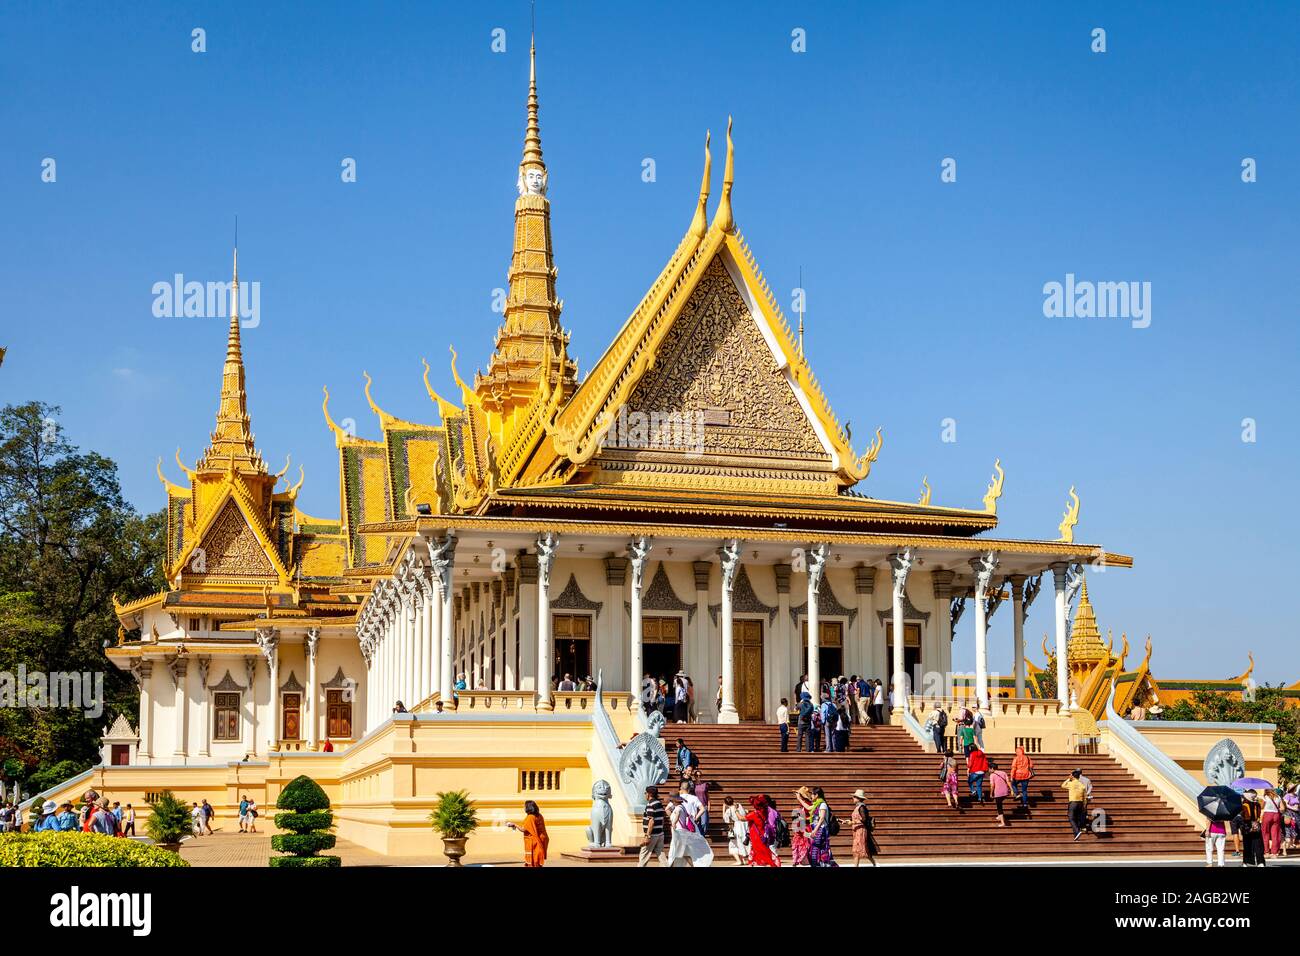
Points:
x=572, y=599
x=744, y=600
x=828, y=605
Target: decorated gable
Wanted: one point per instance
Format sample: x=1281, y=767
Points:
x=230, y=548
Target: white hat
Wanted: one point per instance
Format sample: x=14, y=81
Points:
x=49, y=806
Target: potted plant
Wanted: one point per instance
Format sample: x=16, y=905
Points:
x=455, y=817
x=169, y=821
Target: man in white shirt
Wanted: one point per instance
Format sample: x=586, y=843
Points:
x=783, y=721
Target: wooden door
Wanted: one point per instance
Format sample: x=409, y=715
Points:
x=747, y=651
x=292, y=716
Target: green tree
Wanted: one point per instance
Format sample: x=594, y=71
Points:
x=1268, y=707
x=68, y=542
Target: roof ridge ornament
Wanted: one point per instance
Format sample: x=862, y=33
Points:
x=700, y=224
x=1069, y=519
x=994, y=491
x=723, y=220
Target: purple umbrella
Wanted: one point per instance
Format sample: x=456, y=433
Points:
x=1251, y=783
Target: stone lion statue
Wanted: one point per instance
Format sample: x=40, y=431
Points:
x=601, y=833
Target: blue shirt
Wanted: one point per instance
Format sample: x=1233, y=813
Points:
x=683, y=758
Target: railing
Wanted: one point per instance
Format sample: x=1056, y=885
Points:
x=585, y=700
x=998, y=706
x=1181, y=789
x=1032, y=745
x=913, y=726
x=495, y=700
x=608, y=743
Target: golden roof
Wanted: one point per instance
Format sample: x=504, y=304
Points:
x=1085, y=638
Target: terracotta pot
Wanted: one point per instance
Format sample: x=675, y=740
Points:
x=454, y=848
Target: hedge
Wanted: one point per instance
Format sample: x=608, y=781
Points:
x=80, y=849
x=302, y=844
x=303, y=822
x=305, y=861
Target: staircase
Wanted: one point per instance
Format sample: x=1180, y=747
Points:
x=903, y=792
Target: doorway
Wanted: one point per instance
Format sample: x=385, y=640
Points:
x=747, y=659
x=830, y=648
x=661, y=647
x=911, y=652
x=571, y=635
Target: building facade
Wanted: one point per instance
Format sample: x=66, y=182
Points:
x=690, y=503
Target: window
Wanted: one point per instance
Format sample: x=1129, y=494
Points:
x=338, y=715
x=227, y=717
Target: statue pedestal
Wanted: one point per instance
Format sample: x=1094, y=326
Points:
x=604, y=854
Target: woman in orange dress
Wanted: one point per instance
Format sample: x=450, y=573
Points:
x=535, y=839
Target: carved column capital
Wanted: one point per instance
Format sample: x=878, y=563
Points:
x=864, y=579
x=941, y=583
x=782, y=571
x=729, y=556
x=547, y=544
x=638, y=552
x=817, y=554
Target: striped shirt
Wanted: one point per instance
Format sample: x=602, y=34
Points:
x=654, y=817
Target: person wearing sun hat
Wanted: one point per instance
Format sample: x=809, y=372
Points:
x=47, y=821
x=861, y=817
x=65, y=819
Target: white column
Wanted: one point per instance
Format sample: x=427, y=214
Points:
x=983, y=567
x=407, y=664
x=546, y=547
x=442, y=554
x=311, y=644
x=729, y=555
x=638, y=551
x=179, y=669
x=144, y=750
x=250, y=725
x=1017, y=582
x=900, y=564
x=205, y=709
x=270, y=641
x=816, y=568
x=1062, y=670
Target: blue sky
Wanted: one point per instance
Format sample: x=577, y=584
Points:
x=925, y=298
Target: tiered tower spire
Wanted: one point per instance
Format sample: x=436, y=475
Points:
x=232, y=440
x=530, y=345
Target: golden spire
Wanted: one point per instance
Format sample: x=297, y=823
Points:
x=1085, y=637
x=232, y=439
x=723, y=219
x=531, y=331
x=700, y=224
x=533, y=132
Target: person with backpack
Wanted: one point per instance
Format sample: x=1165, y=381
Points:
x=828, y=721
x=760, y=854
x=936, y=724
x=1022, y=771
x=687, y=843
x=775, y=833
x=966, y=735
x=842, y=732
x=977, y=765
x=977, y=721
x=863, y=843
x=803, y=724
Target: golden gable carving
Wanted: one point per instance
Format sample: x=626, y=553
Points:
x=715, y=363
x=231, y=548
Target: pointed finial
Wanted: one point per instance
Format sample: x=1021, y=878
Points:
x=1069, y=519
x=994, y=491
x=700, y=224
x=532, y=168
x=723, y=219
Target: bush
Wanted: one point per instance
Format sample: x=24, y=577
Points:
x=302, y=794
x=454, y=815
x=303, y=822
x=310, y=821
x=169, y=819
x=302, y=844
x=43, y=778
x=80, y=849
